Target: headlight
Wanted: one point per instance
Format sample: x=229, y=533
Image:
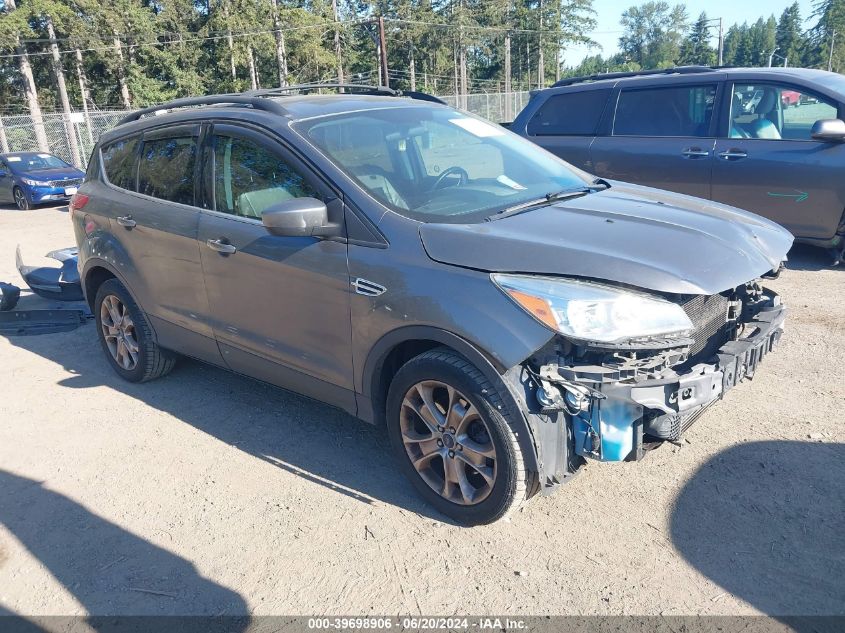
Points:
x=35, y=183
x=594, y=312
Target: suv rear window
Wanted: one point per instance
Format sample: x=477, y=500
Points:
x=119, y=162
x=674, y=111
x=166, y=170
x=569, y=114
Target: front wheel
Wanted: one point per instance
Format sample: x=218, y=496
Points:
x=21, y=201
x=450, y=432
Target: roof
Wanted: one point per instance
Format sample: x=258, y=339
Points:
x=777, y=71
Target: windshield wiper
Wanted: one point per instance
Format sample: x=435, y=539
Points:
x=554, y=196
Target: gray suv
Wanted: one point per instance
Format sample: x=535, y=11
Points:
x=500, y=313
x=769, y=140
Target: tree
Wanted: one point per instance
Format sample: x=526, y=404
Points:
x=653, y=34
x=788, y=37
x=696, y=48
x=830, y=19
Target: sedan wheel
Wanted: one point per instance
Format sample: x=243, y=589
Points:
x=119, y=332
x=448, y=442
x=20, y=199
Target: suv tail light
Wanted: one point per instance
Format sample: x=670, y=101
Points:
x=77, y=202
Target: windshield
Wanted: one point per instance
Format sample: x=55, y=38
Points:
x=34, y=162
x=437, y=164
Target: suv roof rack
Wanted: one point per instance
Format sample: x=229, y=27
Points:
x=258, y=98
x=677, y=70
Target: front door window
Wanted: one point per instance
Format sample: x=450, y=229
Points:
x=776, y=112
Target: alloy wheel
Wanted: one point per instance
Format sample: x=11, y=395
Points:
x=20, y=200
x=119, y=332
x=448, y=442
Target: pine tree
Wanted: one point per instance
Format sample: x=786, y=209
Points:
x=696, y=48
x=789, y=38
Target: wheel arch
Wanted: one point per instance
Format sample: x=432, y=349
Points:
x=397, y=347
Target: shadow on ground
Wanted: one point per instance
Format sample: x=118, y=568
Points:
x=107, y=569
x=766, y=521
x=323, y=445
x=806, y=257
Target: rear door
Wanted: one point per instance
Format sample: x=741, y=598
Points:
x=565, y=123
x=767, y=162
x=151, y=208
x=661, y=135
x=280, y=304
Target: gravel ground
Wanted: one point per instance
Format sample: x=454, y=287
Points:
x=206, y=492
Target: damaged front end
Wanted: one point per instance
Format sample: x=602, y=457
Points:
x=612, y=402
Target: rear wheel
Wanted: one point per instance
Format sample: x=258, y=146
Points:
x=126, y=335
x=453, y=440
x=21, y=200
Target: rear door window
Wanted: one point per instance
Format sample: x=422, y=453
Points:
x=120, y=162
x=673, y=111
x=569, y=114
x=166, y=168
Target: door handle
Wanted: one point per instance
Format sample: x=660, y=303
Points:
x=733, y=154
x=695, y=152
x=127, y=221
x=221, y=247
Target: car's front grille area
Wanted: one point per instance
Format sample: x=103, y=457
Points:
x=73, y=182
x=709, y=316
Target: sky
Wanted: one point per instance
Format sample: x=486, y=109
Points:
x=609, y=13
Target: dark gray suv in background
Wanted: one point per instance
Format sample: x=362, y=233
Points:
x=768, y=140
x=503, y=315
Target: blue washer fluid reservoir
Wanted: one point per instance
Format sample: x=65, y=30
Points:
x=614, y=421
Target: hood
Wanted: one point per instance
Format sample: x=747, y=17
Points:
x=628, y=234
x=57, y=173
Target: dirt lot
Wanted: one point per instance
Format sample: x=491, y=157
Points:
x=223, y=495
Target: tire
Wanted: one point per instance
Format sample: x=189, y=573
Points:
x=147, y=360
x=481, y=421
x=21, y=201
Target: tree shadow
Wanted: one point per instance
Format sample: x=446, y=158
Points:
x=806, y=257
x=316, y=442
x=766, y=521
x=109, y=570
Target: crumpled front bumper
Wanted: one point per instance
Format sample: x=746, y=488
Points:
x=624, y=417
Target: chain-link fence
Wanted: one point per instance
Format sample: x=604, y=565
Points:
x=498, y=107
x=18, y=134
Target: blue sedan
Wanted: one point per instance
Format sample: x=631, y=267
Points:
x=31, y=178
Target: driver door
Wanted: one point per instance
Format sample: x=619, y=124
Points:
x=279, y=305
x=770, y=164
x=6, y=182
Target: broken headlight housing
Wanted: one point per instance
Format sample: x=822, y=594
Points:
x=594, y=312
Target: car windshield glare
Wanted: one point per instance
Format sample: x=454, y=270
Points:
x=35, y=162
x=438, y=164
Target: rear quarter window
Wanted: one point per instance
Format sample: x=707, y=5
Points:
x=119, y=162
x=569, y=114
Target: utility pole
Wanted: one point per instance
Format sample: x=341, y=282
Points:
x=830, y=57
x=508, y=112
x=721, y=44
x=4, y=142
x=337, y=49
x=382, y=45
x=541, y=77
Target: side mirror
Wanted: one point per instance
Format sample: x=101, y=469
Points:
x=299, y=217
x=2, y=173
x=829, y=130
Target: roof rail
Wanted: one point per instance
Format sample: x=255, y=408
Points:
x=677, y=70
x=256, y=98
x=187, y=102
x=378, y=90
